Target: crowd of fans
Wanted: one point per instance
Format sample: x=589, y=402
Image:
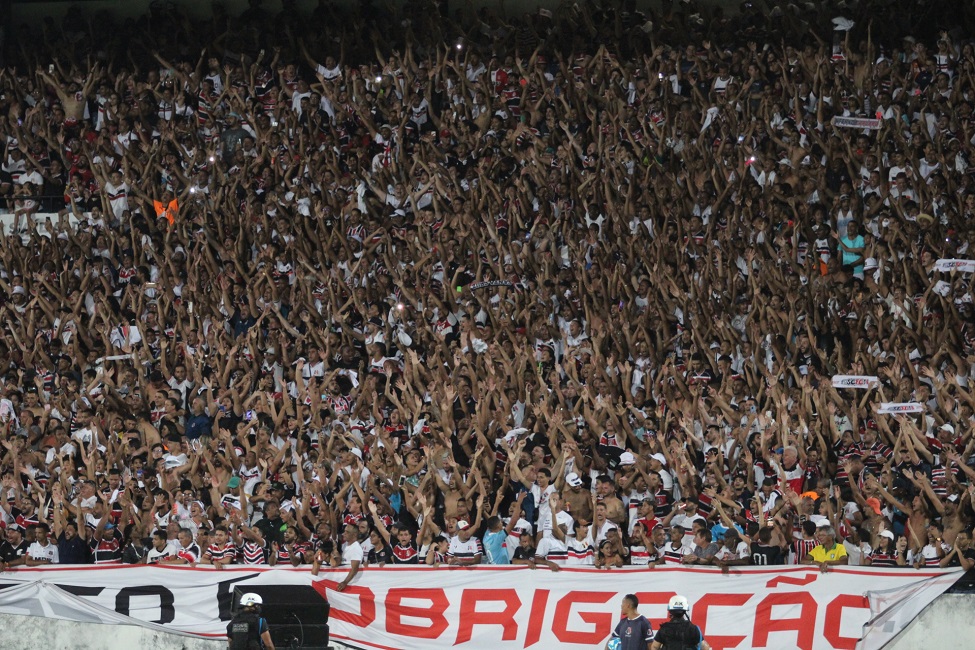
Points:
x=463, y=288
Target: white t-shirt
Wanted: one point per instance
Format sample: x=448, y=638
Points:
x=352, y=553
x=38, y=552
x=153, y=556
x=563, y=517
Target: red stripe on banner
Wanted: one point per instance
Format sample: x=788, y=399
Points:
x=538, y=615
x=786, y=580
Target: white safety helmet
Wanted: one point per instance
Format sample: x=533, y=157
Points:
x=250, y=600
x=677, y=604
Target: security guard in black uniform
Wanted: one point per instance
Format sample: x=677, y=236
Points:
x=679, y=633
x=247, y=630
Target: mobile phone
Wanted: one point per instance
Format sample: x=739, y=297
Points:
x=249, y=415
x=402, y=481
x=50, y=68
x=189, y=308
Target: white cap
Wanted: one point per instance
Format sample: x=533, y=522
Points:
x=626, y=458
x=660, y=457
x=870, y=263
x=947, y=427
x=462, y=524
x=573, y=479
x=888, y=534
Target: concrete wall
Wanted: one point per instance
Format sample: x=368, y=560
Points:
x=35, y=632
x=946, y=625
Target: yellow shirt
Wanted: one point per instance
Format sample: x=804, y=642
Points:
x=821, y=554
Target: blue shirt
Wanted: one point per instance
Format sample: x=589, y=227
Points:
x=848, y=257
x=198, y=425
x=494, y=547
x=633, y=633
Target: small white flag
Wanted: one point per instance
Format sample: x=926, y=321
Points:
x=900, y=407
x=946, y=265
x=854, y=381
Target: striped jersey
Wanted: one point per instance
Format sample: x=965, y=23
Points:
x=470, y=549
x=553, y=550
x=580, y=553
x=408, y=554
x=221, y=552
x=251, y=553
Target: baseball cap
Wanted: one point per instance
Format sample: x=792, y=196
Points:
x=462, y=524
x=627, y=458
x=659, y=457
x=874, y=504
x=888, y=534
x=233, y=482
x=573, y=479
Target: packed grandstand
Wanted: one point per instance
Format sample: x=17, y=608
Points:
x=601, y=285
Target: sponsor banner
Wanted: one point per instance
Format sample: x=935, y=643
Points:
x=854, y=381
x=857, y=122
x=900, y=407
x=501, y=608
x=947, y=265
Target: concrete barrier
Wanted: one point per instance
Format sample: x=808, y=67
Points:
x=21, y=632
x=946, y=625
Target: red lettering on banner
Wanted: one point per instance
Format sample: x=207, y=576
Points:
x=655, y=598
x=367, y=603
x=602, y=621
x=788, y=580
x=469, y=616
x=539, y=601
x=700, y=609
x=396, y=610
x=834, y=617
x=804, y=624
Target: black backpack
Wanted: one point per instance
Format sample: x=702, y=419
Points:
x=244, y=632
x=679, y=634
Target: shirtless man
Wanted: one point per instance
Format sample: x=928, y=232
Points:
x=578, y=500
x=72, y=98
x=606, y=493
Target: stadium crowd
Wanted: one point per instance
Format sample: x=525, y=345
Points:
x=555, y=289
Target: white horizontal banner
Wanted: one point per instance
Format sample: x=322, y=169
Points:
x=857, y=122
x=900, y=407
x=854, y=381
x=501, y=608
x=947, y=265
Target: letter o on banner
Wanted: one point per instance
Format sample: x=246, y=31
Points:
x=167, y=613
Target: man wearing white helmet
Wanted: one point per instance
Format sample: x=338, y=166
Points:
x=679, y=633
x=248, y=630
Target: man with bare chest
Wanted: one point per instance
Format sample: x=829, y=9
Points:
x=577, y=500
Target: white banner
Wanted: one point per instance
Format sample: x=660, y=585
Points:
x=502, y=608
x=854, y=381
x=857, y=122
x=900, y=407
x=948, y=265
